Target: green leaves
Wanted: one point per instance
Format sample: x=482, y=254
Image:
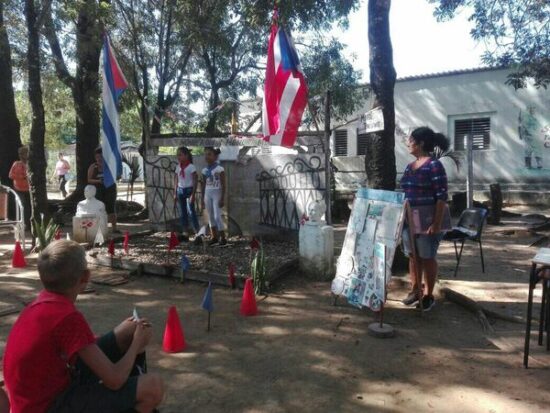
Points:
x=259, y=271
x=44, y=231
x=516, y=34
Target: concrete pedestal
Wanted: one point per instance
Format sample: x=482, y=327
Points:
x=317, y=250
x=85, y=228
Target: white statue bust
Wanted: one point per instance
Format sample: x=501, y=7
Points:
x=315, y=211
x=92, y=206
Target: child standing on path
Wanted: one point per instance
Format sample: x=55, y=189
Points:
x=186, y=186
x=53, y=363
x=213, y=189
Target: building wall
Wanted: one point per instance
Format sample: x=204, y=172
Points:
x=440, y=100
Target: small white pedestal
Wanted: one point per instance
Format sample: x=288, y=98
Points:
x=317, y=250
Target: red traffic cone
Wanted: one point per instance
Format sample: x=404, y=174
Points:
x=174, y=242
x=18, y=259
x=111, y=247
x=248, y=303
x=126, y=242
x=174, y=340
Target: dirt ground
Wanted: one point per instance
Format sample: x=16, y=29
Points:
x=302, y=354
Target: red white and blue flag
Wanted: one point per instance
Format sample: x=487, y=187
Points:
x=285, y=90
x=114, y=83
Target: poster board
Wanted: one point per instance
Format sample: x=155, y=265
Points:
x=373, y=234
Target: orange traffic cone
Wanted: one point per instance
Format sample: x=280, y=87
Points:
x=248, y=303
x=174, y=340
x=18, y=259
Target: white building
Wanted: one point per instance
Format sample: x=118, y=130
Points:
x=511, y=129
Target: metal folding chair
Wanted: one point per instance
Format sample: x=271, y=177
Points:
x=18, y=224
x=469, y=228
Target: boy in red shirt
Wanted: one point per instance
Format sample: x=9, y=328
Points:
x=52, y=361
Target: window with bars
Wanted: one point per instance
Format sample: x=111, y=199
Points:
x=361, y=143
x=478, y=128
x=341, y=142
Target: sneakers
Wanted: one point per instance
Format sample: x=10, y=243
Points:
x=411, y=298
x=428, y=302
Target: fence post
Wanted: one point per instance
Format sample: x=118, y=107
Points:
x=470, y=176
x=328, y=186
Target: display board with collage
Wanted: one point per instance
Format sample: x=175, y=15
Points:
x=374, y=230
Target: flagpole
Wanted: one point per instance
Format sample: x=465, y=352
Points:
x=328, y=185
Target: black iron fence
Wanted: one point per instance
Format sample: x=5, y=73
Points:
x=287, y=190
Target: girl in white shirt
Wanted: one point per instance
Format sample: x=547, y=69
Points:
x=186, y=186
x=213, y=189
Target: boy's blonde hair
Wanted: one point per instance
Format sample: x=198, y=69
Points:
x=61, y=265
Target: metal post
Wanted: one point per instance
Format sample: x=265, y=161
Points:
x=470, y=177
x=328, y=185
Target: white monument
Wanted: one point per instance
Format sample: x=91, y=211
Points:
x=90, y=218
x=317, y=244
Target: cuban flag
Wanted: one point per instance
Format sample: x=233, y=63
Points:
x=114, y=83
x=285, y=90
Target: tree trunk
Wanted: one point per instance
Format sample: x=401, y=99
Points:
x=211, y=127
x=37, y=156
x=380, y=159
x=10, y=139
x=86, y=93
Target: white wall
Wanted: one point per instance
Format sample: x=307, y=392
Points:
x=436, y=101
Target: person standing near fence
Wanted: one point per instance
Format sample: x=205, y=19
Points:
x=213, y=189
x=62, y=167
x=425, y=184
x=186, y=182
x=18, y=174
x=106, y=195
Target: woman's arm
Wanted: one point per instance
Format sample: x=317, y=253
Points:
x=438, y=177
x=435, y=228
x=91, y=179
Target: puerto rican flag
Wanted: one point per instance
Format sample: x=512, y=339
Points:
x=114, y=83
x=285, y=90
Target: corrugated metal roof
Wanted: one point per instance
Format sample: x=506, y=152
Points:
x=450, y=73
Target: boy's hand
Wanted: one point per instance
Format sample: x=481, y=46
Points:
x=143, y=334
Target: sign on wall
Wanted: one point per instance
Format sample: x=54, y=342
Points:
x=374, y=120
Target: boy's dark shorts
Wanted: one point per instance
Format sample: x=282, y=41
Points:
x=87, y=394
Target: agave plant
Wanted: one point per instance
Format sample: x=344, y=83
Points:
x=259, y=271
x=44, y=231
x=135, y=173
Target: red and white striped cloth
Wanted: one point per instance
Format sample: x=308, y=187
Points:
x=285, y=90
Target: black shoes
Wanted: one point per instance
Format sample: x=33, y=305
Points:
x=428, y=302
x=411, y=299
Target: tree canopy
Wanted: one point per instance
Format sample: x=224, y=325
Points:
x=516, y=34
